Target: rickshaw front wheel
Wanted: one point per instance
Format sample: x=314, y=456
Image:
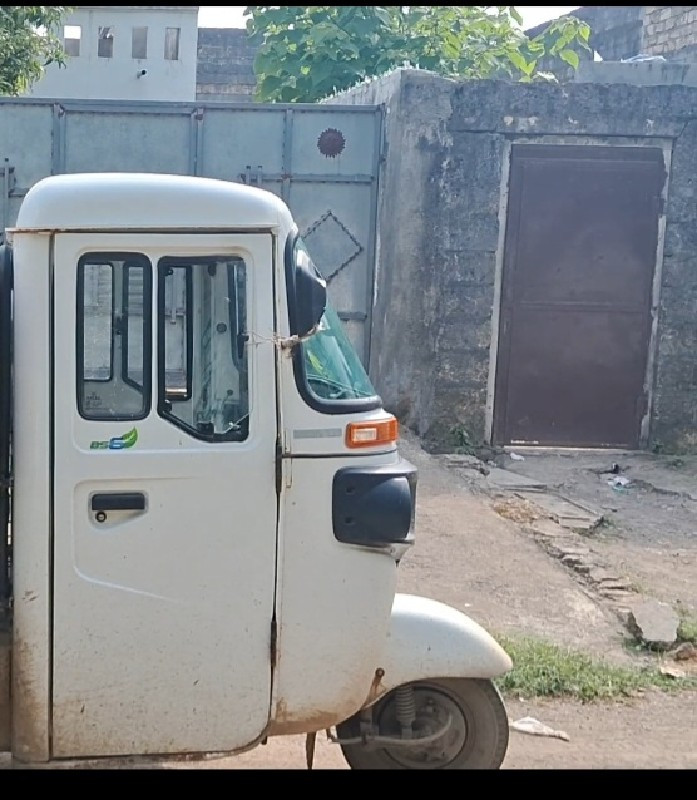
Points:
x=469, y=711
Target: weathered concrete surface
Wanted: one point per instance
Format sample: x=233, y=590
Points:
x=649, y=535
x=510, y=481
x=434, y=328
x=566, y=513
x=612, y=552
x=648, y=73
x=466, y=555
x=654, y=623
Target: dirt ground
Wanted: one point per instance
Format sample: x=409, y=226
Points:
x=639, y=734
x=466, y=555
x=470, y=557
x=651, y=533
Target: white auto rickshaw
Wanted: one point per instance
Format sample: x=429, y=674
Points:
x=208, y=506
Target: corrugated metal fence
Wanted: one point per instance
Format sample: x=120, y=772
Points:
x=322, y=160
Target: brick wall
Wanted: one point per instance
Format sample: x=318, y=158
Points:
x=615, y=30
x=668, y=30
x=225, y=71
x=619, y=32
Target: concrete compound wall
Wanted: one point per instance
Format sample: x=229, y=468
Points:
x=440, y=245
x=641, y=73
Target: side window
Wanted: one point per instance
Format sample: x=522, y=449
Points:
x=71, y=39
x=105, y=44
x=132, y=350
x=98, y=305
x=139, y=42
x=113, y=336
x=172, y=36
x=178, y=312
x=202, y=324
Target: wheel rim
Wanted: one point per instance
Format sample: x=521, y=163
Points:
x=434, y=708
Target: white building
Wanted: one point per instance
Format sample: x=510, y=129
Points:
x=126, y=53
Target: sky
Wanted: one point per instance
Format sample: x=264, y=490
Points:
x=233, y=16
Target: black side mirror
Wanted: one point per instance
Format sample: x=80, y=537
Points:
x=310, y=296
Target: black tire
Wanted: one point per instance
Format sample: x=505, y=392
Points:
x=480, y=708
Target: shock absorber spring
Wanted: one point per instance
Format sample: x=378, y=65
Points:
x=405, y=708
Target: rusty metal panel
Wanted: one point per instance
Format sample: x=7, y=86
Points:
x=579, y=259
x=334, y=141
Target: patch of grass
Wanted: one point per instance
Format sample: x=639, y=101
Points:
x=635, y=646
x=631, y=645
x=687, y=630
x=463, y=442
x=542, y=669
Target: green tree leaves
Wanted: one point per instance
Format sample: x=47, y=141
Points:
x=28, y=42
x=307, y=53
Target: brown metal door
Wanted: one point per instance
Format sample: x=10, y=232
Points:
x=579, y=260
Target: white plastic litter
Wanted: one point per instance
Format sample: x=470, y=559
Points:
x=534, y=727
x=516, y=457
x=619, y=482
x=641, y=57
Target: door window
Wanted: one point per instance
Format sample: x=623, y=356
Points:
x=203, y=367
x=113, y=336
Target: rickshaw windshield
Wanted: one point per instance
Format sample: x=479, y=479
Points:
x=332, y=370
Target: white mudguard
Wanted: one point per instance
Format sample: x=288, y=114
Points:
x=428, y=639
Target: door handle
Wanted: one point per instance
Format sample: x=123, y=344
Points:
x=118, y=501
